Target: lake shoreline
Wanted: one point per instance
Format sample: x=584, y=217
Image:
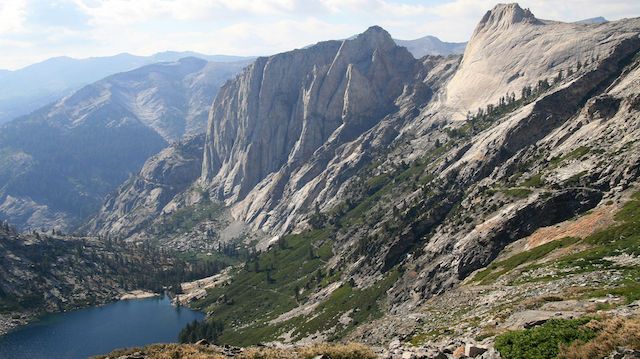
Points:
x=138, y=294
x=12, y=321
x=99, y=328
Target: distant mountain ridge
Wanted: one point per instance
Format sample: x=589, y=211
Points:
x=27, y=89
x=431, y=45
x=593, y=20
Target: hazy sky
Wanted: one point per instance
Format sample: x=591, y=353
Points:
x=33, y=30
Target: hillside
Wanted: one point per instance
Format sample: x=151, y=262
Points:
x=384, y=185
x=57, y=164
x=52, y=272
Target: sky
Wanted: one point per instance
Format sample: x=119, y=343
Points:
x=34, y=30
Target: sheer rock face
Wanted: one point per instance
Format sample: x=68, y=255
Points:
x=143, y=197
x=511, y=49
x=287, y=109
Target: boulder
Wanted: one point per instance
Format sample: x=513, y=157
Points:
x=394, y=344
x=473, y=351
x=459, y=352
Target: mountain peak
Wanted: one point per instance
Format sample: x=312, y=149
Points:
x=376, y=36
x=375, y=29
x=502, y=16
x=593, y=20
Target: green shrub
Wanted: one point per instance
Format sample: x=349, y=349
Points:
x=534, y=181
x=543, y=342
x=517, y=192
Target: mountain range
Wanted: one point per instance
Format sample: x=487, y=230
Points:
x=27, y=89
x=171, y=101
x=402, y=177
x=431, y=45
x=59, y=162
x=429, y=206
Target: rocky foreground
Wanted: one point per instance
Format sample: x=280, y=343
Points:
x=617, y=338
x=203, y=350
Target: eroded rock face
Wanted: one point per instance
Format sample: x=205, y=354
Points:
x=143, y=197
x=537, y=50
x=287, y=109
x=573, y=146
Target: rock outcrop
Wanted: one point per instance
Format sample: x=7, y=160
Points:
x=284, y=108
x=143, y=197
x=511, y=49
x=277, y=127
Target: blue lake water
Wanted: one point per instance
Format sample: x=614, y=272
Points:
x=99, y=330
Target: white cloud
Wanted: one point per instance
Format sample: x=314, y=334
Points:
x=245, y=27
x=281, y=35
x=387, y=8
x=125, y=11
x=12, y=16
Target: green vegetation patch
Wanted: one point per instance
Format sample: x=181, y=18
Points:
x=604, y=250
x=517, y=192
x=496, y=269
x=185, y=219
x=544, y=341
x=361, y=305
x=272, y=283
x=534, y=181
x=277, y=281
x=573, y=155
x=622, y=238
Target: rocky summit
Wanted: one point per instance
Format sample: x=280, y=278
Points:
x=478, y=205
